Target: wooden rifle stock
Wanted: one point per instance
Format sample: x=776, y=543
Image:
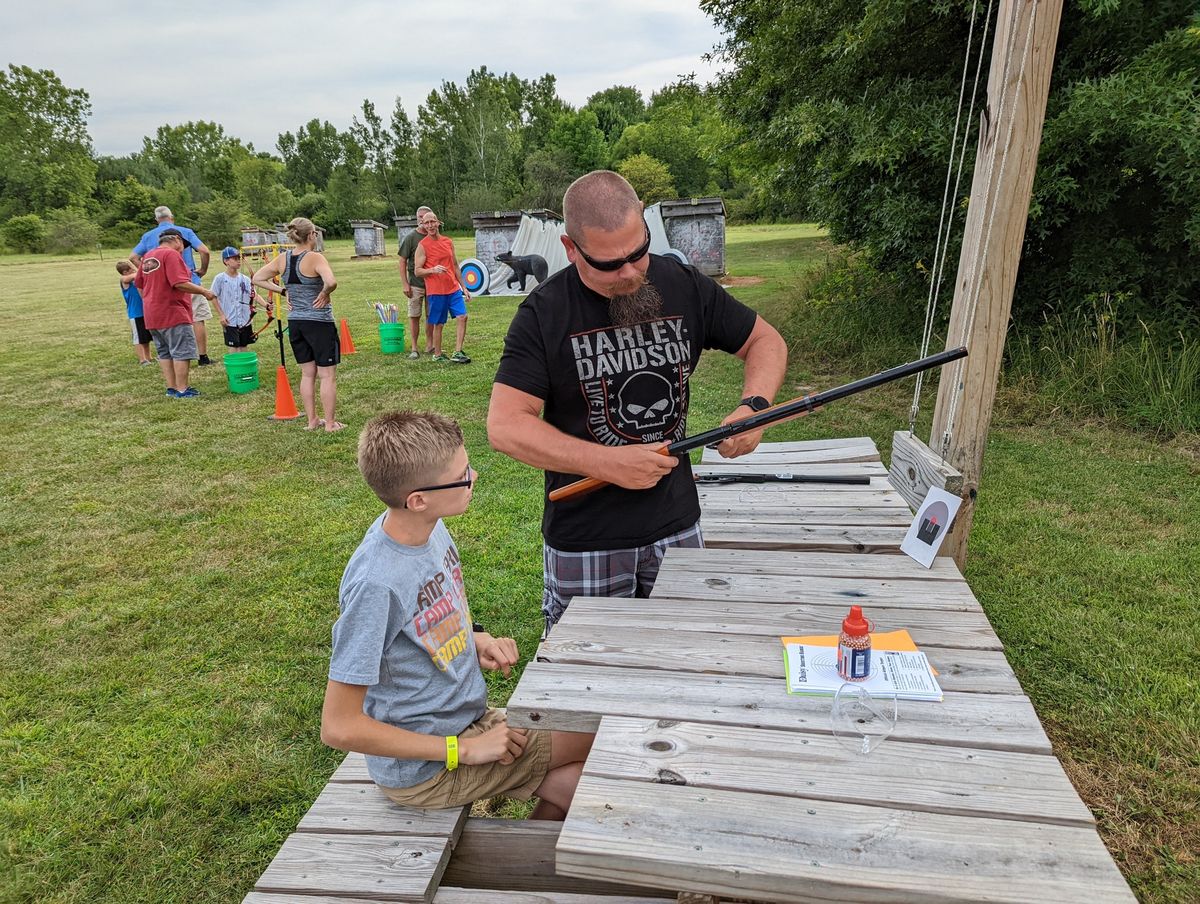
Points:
x=777, y=414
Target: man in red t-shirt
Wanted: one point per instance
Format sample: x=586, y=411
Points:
x=165, y=283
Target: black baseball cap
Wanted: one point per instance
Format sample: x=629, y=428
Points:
x=171, y=231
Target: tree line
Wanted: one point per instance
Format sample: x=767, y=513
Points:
x=495, y=142
x=833, y=111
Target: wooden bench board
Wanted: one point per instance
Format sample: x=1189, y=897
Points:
x=933, y=778
x=860, y=538
x=792, y=850
x=361, y=808
x=773, y=589
x=570, y=697
x=840, y=449
x=381, y=867
x=445, y=895
x=798, y=564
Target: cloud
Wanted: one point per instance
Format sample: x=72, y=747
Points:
x=267, y=68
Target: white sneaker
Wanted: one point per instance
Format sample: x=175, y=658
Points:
x=414, y=355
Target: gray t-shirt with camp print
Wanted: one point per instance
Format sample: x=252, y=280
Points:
x=405, y=632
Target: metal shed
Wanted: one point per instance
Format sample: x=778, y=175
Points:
x=696, y=226
x=368, y=239
x=496, y=230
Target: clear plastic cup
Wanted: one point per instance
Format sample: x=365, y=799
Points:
x=861, y=720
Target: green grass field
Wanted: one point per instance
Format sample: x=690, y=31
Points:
x=169, y=573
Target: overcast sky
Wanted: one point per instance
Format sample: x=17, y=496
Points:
x=271, y=70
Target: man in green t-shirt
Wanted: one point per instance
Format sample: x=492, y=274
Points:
x=414, y=286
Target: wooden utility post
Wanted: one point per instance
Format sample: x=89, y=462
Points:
x=994, y=232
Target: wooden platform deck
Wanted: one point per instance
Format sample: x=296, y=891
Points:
x=707, y=777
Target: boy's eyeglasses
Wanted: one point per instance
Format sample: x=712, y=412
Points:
x=469, y=478
x=609, y=266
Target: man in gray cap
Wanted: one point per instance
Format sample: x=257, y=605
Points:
x=201, y=311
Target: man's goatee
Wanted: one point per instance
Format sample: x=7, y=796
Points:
x=642, y=304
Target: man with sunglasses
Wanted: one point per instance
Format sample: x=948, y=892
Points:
x=594, y=380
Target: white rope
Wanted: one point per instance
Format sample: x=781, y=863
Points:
x=986, y=235
x=942, y=245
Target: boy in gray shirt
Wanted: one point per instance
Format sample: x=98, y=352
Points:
x=405, y=686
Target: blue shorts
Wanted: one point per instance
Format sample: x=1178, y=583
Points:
x=440, y=306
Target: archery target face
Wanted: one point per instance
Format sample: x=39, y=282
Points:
x=474, y=276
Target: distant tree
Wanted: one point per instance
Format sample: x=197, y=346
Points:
x=127, y=200
x=650, y=178
x=379, y=148
x=198, y=154
x=311, y=154
x=257, y=181
x=548, y=173
x=540, y=107
x=25, y=233
x=578, y=136
x=219, y=221
x=616, y=108
x=674, y=133
x=44, y=142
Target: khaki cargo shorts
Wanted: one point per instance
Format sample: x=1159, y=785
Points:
x=417, y=302
x=200, y=309
x=467, y=784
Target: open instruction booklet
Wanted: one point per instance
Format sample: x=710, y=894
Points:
x=897, y=667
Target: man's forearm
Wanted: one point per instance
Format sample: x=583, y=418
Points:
x=765, y=365
x=532, y=441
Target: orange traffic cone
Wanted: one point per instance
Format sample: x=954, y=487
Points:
x=285, y=402
x=347, y=343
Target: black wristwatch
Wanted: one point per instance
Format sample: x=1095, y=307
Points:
x=756, y=403
x=477, y=628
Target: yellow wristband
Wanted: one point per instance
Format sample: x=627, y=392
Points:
x=451, y=752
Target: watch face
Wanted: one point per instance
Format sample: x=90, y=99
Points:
x=757, y=403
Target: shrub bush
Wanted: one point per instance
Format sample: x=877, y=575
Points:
x=69, y=230
x=25, y=233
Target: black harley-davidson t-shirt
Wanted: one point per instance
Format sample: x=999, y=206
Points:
x=619, y=385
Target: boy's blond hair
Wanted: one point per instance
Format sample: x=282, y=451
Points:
x=124, y=266
x=400, y=451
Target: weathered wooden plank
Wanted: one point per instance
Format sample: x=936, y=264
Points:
x=716, y=562
x=352, y=769
x=737, y=621
x=790, y=850
x=667, y=651
x=934, y=778
x=492, y=896
x=803, y=445
x=788, y=590
x=518, y=855
x=771, y=457
x=726, y=466
x=381, y=867
x=448, y=895
x=855, y=538
x=363, y=809
x=574, y=698
x=914, y=469
x=744, y=513
x=878, y=492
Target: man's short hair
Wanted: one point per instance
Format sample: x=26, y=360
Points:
x=402, y=450
x=600, y=200
x=162, y=212
x=423, y=209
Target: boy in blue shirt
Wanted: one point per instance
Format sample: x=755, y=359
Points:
x=405, y=686
x=133, y=310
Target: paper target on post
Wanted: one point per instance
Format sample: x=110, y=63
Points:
x=930, y=526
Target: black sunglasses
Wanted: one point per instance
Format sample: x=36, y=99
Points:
x=609, y=266
x=469, y=480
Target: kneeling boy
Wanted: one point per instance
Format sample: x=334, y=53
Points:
x=405, y=686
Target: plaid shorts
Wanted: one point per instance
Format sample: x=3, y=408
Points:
x=605, y=572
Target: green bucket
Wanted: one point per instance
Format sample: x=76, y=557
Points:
x=391, y=338
x=241, y=369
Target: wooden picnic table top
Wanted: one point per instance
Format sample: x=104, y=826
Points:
x=707, y=776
